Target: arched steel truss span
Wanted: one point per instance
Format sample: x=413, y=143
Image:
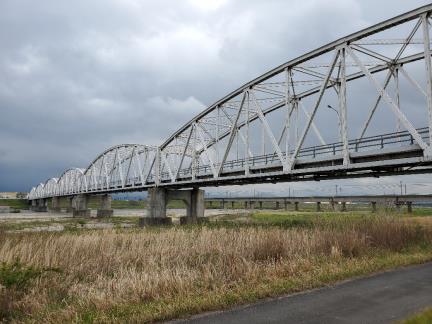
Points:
x=359, y=106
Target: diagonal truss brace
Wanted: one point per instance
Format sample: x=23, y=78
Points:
x=166, y=163
x=412, y=81
x=269, y=132
x=234, y=129
x=375, y=106
x=317, y=103
x=184, y=153
x=395, y=109
x=206, y=149
x=242, y=137
x=314, y=127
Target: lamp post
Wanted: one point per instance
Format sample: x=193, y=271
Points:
x=339, y=124
x=330, y=107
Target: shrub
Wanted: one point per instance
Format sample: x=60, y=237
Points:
x=16, y=275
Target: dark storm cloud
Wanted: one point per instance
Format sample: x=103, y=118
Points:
x=77, y=77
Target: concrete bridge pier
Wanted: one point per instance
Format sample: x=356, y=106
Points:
x=409, y=207
x=318, y=206
x=39, y=205
x=79, y=206
x=343, y=206
x=55, y=205
x=42, y=205
x=277, y=205
x=296, y=206
x=332, y=204
x=33, y=205
x=105, y=209
x=252, y=205
x=260, y=205
x=195, y=207
x=374, y=207
x=69, y=206
x=158, y=199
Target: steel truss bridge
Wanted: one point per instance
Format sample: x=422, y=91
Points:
x=357, y=107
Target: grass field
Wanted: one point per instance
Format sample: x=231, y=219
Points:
x=15, y=203
x=143, y=275
x=423, y=318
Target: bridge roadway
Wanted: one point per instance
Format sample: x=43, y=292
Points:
x=263, y=132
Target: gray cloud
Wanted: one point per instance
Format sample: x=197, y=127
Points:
x=76, y=78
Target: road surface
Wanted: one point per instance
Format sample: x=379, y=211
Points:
x=383, y=298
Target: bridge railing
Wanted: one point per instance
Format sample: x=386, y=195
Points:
x=377, y=142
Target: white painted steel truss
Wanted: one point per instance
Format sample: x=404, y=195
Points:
x=269, y=129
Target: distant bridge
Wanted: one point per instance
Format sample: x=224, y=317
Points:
x=396, y=201
x=282, y=126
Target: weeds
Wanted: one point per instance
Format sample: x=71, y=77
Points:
x=155, y=274
x=424, y=317
x=16, y=275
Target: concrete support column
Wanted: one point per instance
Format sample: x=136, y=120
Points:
x=318, y=206
x=194, y=200
x=252, y=204
x=79, y=203
x=332, y=205
x=196, y=206
x=277, y=205
x=105, y=209
x=296, y=206
x=245, y=205
x=222, y=205
x=374, y=208
x=33, y=206
x=398, y=207
x=343, y=206
x=55, y=205
x=69, y=208
x=409, y=207
x=211, y=204
x=285, y=205
x=260, y=205
x=39, y=205
x=232, y=204
x=157, y=200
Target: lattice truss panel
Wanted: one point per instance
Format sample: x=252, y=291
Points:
x=366, y=92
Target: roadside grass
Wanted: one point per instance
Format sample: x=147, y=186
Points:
x=422, y=211
x=161, y=273
x=424, y=317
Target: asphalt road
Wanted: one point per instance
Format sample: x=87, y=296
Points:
x=382, y=298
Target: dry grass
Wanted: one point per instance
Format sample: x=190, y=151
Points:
x=145, y=275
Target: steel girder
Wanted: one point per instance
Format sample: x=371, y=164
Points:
x=267, y=127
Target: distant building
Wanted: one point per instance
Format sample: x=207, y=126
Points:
x=13, y=195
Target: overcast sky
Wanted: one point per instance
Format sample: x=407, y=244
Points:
x=77, y=77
